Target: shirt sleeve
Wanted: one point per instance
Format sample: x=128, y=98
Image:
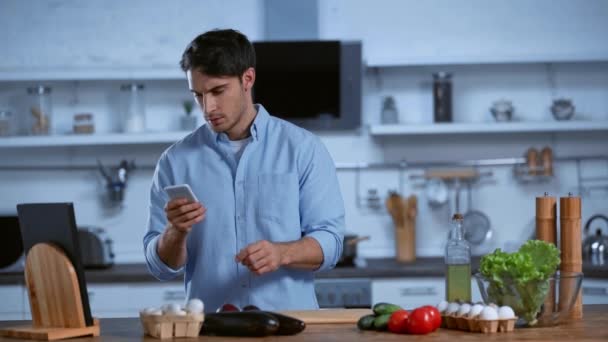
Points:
x=321, y=204
x=157, y=221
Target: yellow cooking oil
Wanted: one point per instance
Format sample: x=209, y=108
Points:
x=458, y=282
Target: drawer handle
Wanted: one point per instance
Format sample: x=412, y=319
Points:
x=418, y=291
x=595, y=291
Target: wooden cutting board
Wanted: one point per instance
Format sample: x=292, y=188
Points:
x=328, y=316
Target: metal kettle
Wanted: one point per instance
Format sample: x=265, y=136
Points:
x=595, y=247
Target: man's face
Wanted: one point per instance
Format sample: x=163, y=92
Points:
x=222, y=99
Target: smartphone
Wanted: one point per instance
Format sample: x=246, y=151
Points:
x=181, y=191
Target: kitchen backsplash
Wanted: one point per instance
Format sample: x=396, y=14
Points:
x=509, y=204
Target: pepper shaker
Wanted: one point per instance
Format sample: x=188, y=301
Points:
x=546, y=230
x=571, y=251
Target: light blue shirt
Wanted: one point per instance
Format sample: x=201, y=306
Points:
x=283, y=188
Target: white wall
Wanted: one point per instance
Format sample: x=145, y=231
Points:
x=125, y=34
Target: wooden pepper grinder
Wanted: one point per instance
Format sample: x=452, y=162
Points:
x=571, y=248
x=546, y=230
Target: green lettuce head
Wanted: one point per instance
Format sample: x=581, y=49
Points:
x=521, y=279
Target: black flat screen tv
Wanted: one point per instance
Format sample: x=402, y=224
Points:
x=314, y=84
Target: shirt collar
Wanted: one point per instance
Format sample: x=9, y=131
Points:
x=257, y=129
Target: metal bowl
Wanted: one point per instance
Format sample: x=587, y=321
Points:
x=562, y=109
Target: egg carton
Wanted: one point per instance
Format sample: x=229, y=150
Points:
x=478, y=325
x=171, y=326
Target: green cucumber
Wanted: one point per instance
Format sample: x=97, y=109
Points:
x=385, y=308
x=381, y=321
x=366, y=322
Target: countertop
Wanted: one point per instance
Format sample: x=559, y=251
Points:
x=594, y=327
x=374, y=268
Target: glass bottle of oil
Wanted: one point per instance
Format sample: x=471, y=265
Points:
x=458, y=263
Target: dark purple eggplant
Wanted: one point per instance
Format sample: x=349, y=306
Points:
x=244, y=323
x=287, y=324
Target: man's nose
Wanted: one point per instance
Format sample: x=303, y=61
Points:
x=210, y=104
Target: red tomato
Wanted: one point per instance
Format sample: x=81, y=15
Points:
x=397, y=323
x=420, y=321
x=435, y=315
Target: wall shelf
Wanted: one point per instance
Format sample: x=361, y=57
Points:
x=92, y=139
x=395, y=62
x=92, y=74
x=489, y=127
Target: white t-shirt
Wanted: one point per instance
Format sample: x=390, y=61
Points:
x=238, y=146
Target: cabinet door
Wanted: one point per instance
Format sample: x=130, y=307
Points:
x=145, y=295
x=408, y=293
x=12, y=302
x=128, y=299
x=595, y=291
x=413, y=292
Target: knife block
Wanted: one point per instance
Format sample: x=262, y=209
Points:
x=54, y=293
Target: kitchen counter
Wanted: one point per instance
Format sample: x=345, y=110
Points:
x=374, y=268
x=594, y=327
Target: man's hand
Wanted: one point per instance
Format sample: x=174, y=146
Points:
x=182, y=215
x=262, y=257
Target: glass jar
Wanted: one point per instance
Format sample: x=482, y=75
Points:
x=83, y=123
x=389, y=111
x=133, y=108
x=458, y=263
x=6, y=123
x=39, y=110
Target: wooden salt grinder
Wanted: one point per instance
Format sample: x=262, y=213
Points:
x=546, y=230
x=571, y=248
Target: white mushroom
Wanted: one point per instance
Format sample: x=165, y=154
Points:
x=195, y=305
x=171, y=309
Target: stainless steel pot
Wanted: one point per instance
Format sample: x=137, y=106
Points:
x=349, y=249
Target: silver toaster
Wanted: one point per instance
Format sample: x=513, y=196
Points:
x=95, y=247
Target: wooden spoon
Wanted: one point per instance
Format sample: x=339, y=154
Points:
x=394, y=205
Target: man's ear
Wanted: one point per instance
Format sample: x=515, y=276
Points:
x=248, y=79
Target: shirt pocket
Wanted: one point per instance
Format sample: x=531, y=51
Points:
x=278, y=197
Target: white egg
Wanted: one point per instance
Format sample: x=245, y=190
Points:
x=475, y=310
x=195, y=305
x=181, y=313
x=488, y=314
x=442, y=306
x=505, y=312
x=171, y=308
x=452, y=308
x=464, y=309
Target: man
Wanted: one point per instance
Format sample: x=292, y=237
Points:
x=270, y=211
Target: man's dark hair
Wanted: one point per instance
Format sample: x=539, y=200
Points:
x=219, y=53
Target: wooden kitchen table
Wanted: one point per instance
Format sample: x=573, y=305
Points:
x=594, y=327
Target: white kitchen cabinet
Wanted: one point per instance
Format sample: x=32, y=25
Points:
x=595, y=291
x=12, y=302
x=414, y=292
x=127, y=299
